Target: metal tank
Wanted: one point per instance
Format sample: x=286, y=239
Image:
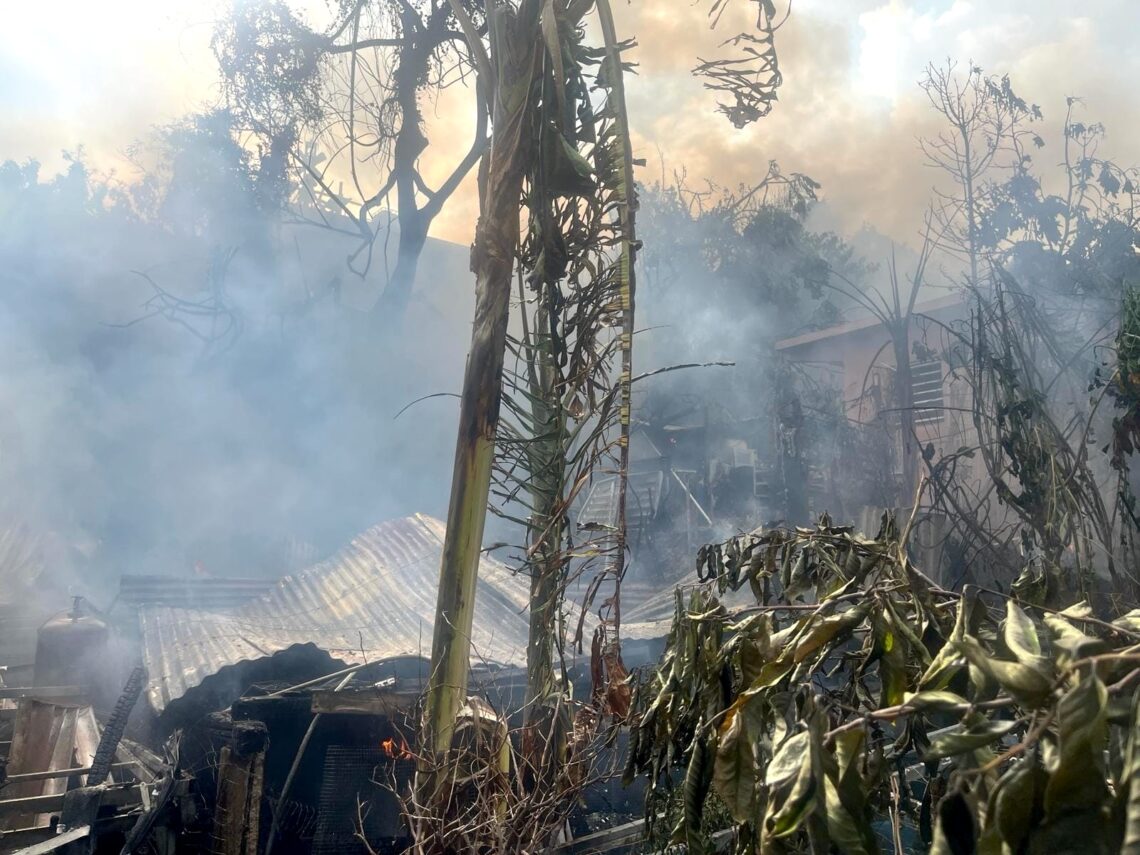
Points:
x=71, y=649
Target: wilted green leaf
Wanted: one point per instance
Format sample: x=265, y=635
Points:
x=948, y=661
x=796, y=579
x=1078, y=610
x=755, y=647
x=568, y=173
x=554, y=51
x=698, y=776
x=791, y=785
x=1015, y=801
x=936, y=701
x=1070, y=643
x=963, y=739
x=891, y=649
x=955, y=832
x=827, y=630
x=734, y=773
x=801, y=640
x=845, y=797
x=1078, y=780
x=1020, y=636
x=1129, y=621
x=917, y=651
x=1130, y=789
x=1023, y=681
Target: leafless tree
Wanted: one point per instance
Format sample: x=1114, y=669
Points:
x=985, y=134
x=340, y=114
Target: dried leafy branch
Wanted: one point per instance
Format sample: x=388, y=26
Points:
x=857, y=705
x=1038, y=465
x=750, y=74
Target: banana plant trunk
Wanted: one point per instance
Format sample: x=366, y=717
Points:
x=514, y=58
x=548, y=476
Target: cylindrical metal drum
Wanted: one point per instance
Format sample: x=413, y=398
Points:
x=71, y=650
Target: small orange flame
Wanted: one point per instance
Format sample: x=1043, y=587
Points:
x=395, y=750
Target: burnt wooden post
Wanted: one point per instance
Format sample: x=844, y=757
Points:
x=241, y=779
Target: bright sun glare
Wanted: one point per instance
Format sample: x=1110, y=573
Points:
x=880, y=50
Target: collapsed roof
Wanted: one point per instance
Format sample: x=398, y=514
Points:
x=373, y=601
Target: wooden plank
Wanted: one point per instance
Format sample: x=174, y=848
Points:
x=41, y=692
x=22, y=838
x=253, y=805
x=147, y=761
x=42, y=741
x=52, y=843
x=26, y=805
x=51, y=804
x=60, y=773
x=237, y=811
x=621, y=836
x=605, y=840
x=86, y=742
x=229, y=806
x=367, y=702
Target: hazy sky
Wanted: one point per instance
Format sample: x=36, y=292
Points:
x=101, y=74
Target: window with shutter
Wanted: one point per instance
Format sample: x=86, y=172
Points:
x=926, y=392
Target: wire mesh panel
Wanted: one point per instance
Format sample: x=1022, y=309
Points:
x=356, y=798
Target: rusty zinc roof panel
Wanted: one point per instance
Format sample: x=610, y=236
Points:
x=375, y=598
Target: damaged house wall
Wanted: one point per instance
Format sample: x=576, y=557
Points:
x=859, y=362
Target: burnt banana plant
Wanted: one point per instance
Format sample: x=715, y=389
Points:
x=568, y=376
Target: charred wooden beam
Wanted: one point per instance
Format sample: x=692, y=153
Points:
x=365, y=702
x=241, y=780
x=113, y=732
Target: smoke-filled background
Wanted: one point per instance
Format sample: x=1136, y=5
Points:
x=192, y=382
x=184, y=395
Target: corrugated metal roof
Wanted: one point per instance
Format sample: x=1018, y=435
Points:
x=25, y=553
x=866, y=321
x=22, y=559
x=378, y=593
x=19, y=632
x=210, y=592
